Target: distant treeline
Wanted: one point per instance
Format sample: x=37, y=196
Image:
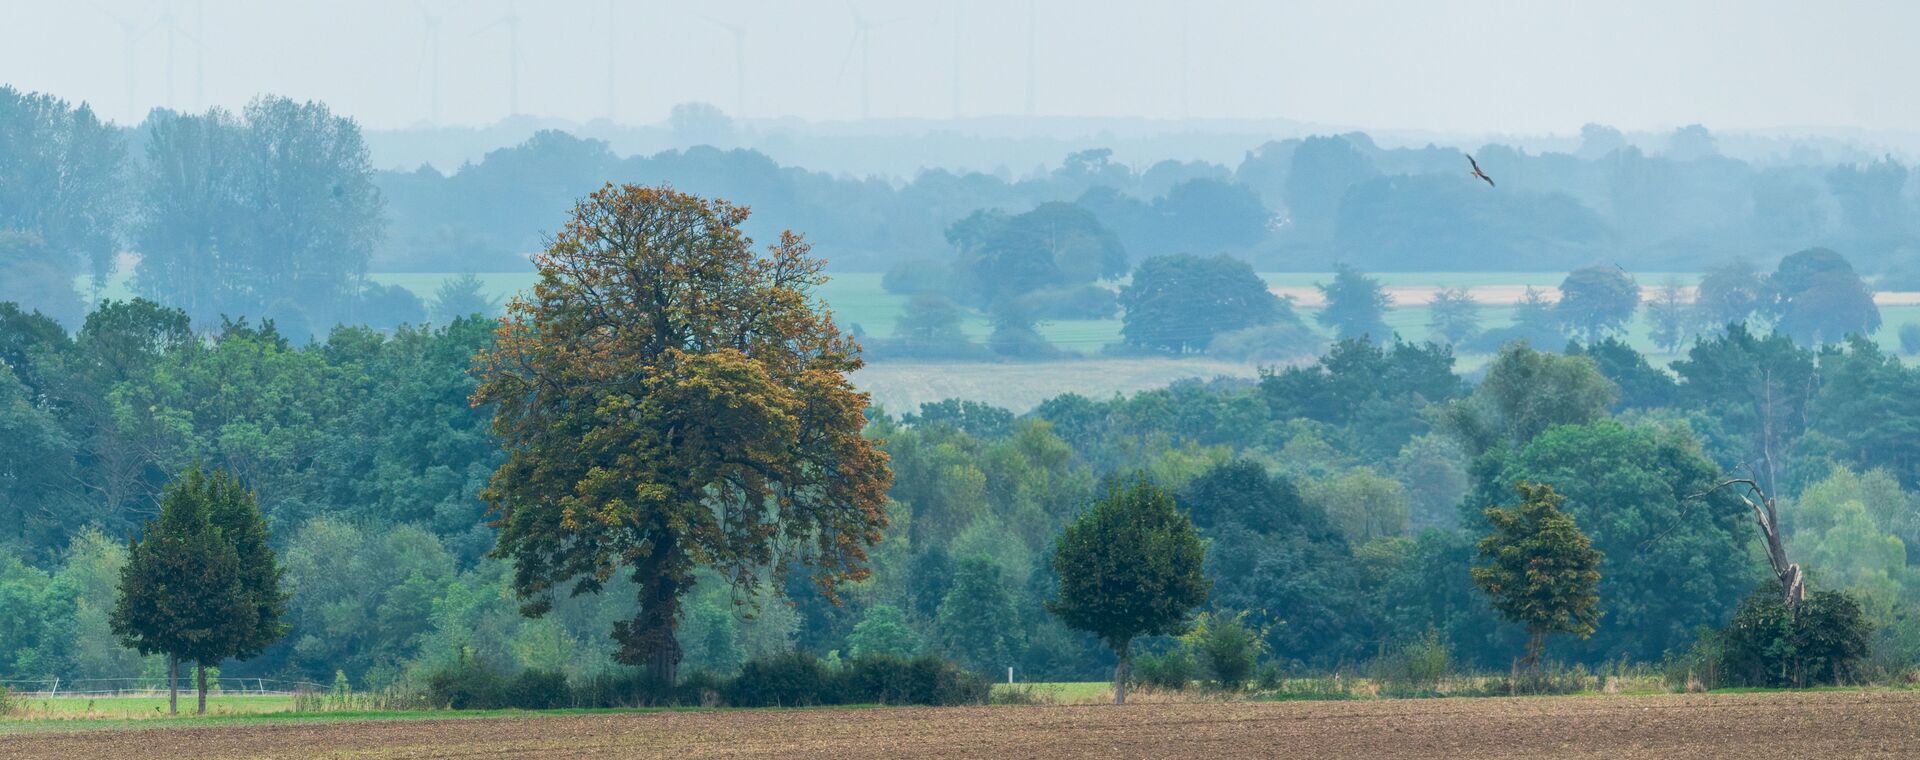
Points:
x=277, y=212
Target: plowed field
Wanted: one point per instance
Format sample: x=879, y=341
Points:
x=1826, y=725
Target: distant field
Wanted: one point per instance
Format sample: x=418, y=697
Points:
x=1802, y=724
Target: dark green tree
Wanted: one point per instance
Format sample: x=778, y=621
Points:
x=976, y=620
x=1539, y=569
x=184, y=592
x=1355, y=305
x=1130, y=566
x=1176, y=304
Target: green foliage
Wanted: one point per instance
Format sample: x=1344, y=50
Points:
x=976, y=620
x=1525, y=393
x=1540, y=570
x=1002, y=257
x=1765, y=645
x=1172, y=670
x=1226, y=647
x=462, y=296
x=884, y=632
x=1415, y=668
x=1356, y=305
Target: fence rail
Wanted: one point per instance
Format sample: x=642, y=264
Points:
x=153, y=687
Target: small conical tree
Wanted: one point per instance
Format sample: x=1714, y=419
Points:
x=1540, y=570
x=1130, y=566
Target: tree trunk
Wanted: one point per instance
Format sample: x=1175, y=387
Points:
x=665, y=662
x=1536, y=646
x=1120, y=674
x=173, y=685
x=201, y=669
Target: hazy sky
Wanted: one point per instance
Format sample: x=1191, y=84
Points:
x=1499, y=66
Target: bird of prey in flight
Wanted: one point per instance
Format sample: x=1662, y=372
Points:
x=1477, y=172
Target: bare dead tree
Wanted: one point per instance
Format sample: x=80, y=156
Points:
x=1765, y=510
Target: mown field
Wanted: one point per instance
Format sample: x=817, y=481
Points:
x=1825, y=724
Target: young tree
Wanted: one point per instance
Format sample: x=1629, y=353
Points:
x=184, y=592
x=462, y=296
x=1541, y=571
x=1597, y=300
x=1670, y=317
x=1453, y=316
x=670, y=400
x=1355, y=306
x=1130, y=566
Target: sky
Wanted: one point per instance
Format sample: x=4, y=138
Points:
x=1466, y=66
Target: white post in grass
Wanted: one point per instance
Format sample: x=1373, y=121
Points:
x=1009, y=675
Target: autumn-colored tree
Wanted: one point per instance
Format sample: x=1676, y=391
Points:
x=1541, y=571
x=668, y=400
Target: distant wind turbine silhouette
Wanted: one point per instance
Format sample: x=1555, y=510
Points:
x=167, y=23
x=430, y=53
x=863, y=40
x=510, y=20
x=131, y=31
x=739, y=32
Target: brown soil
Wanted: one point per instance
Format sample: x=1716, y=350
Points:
x=1827, y=724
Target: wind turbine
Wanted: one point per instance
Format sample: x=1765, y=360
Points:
x=1032, y=27
x=612, y=58
x=510, y=20
x=863, y=39
x=131, y=31
x=172, y=28
x=739, y=32
x=430, y=54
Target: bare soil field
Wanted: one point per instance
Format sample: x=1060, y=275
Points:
x=1822, y=724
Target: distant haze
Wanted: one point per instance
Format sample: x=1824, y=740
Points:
x=1481, y=67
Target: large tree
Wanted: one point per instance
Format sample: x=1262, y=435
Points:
x=61, y=180
x=669, y=400
x=1178, y=303
x=1597, y=300
x=1818, y=298
x=1540, y=570
x=1130, y=566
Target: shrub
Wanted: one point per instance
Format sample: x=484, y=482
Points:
x=795, y=679
x=1765, y=646
x=1226, y=647
x=1269, y=677
x=6, y=701
x=537, y=690
x=1173, y=670
x=1551, y=678
x=918, y=681
x=1415, y=668
x=467, y=685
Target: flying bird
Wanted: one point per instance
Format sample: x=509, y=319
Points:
x=1477, y=172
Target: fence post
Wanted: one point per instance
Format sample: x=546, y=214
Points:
x=56, y=688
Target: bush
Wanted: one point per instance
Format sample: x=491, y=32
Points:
x=1551, y=678
x=1416, y=668
x=1173, y=670
x=537, y=690
x=1698, y=668
x=6, y=701
x=1226, y=647
x=918, y=681
x=467, y=685
x=1765, y=646
x=795, y=679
